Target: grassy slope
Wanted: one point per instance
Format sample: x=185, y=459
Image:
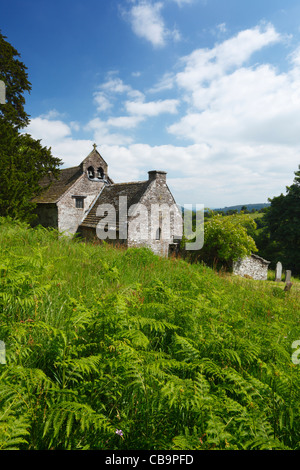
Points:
x=174, y=355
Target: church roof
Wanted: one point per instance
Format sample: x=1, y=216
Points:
x=58, y=186
x=110, y=195
x=54, y=188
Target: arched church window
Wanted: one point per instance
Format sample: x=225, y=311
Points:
x=158, y=233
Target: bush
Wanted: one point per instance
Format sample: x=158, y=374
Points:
x=226, y=239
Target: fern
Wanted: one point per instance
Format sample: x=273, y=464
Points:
x=188, y=440
x=75, y=370
x=217, y=434
x=185, y=349
x=75, y=425
x=171, y=353
x=13, y=430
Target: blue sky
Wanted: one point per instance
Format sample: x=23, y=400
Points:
x=207, y=90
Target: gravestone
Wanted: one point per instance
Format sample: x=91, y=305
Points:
x=288, y=275
x=288, y=286
x=278, y=272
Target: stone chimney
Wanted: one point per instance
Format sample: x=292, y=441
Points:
x=158, y=176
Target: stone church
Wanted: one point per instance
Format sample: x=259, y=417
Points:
x=85, y=200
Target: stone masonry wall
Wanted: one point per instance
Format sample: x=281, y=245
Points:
x=95, y=160
x=257, y=268
x=69, y=216
x=158, y=196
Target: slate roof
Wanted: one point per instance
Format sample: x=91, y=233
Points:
x=110, y=195
x=262, y=260
x=59, y=186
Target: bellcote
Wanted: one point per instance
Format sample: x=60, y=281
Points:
x=94, y=166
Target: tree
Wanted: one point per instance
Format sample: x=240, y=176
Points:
x=282, y=226
x=244, y=210
x=23, y=160
x=14, y=74
x=227, y=238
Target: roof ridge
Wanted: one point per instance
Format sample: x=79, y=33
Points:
x=129, y=182
x=70, y=168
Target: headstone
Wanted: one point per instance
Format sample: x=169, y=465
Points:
x=2, y=92
x=288, y=275
x=278, y=272
x=288, y=286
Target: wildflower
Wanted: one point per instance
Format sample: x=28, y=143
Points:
x=119, y=432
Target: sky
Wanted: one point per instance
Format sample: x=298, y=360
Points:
x=206, y=90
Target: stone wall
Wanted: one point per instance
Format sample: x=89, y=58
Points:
x=253, y=266
x=162, y=224
x=95, y=160
x=155, y=219
x=69, y=216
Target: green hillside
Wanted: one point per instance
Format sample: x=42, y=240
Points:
x=113, y=349
x=249, y=207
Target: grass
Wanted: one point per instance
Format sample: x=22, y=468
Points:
x=109, y=348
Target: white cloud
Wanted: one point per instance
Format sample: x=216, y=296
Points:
x=204, y=65
x=58, y=135
x=51, y=130
x=238, y=104
x=200, y=174
x=247, y=115
x=167, y=82
x=102, y=133
x=124, y=122
x=136, y=95
x=106, y=91
x=136, y=74
x=147, y=22
x=183, y=2
x=74, y=125
x=295, y=57
x=102, y=101
x=222, y=28
x=241, y=124
x=103, y=130
x=152, y=108
x=213, y=175
x=115, y=85
x=111, y=92
x=52, y=114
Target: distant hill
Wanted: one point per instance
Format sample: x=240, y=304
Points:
x=238, y=207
